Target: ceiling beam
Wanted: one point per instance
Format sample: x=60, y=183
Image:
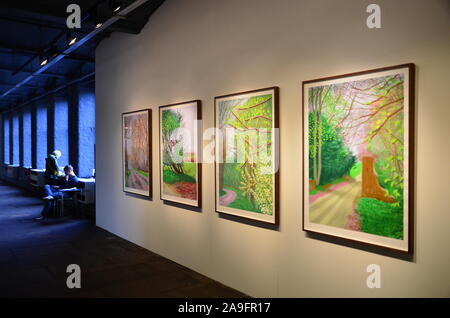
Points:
x=52, y=91
x=31, y=51
x=56, y=9
x=45, y=74
x=48, y=25
x=24, y=86
x=119, y=16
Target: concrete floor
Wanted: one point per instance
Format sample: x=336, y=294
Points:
x=34, y=257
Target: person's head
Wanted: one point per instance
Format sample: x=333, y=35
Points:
x=57, y=154
x=68, y=170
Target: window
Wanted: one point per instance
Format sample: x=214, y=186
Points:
x=6, y=139
x=15, y=146
x=62, y=129
x=41, y=136
x=27, y=138
x=86, y=128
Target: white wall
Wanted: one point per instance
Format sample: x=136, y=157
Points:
x=198, y=49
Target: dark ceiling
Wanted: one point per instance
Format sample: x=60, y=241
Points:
x=30, y=28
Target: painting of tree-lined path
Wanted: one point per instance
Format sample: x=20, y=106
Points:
x=244, y=172
x=136, y=152
x=356, y=138
x=179, y=166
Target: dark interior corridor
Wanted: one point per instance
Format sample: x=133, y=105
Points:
x=34, y=257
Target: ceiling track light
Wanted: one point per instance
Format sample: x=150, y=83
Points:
x=53, y=51
x=71, y=39
x=95, y=18
x=115, y=5
x=43, y=60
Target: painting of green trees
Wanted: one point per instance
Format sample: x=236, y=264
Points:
x=245, y=168
x=356, y=153
x=179, y=166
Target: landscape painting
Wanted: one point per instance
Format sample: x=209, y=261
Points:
x=358, y=156
x=247, y=154
x=180, y=176
x=136, y=143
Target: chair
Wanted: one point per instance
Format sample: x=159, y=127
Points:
x=59, y=203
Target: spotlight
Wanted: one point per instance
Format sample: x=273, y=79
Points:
x=71, y=39
x=115, y=5
x=53, y=51
x=43, y=60
x=94, y=16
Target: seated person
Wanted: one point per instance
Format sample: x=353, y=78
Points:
x=53, y=192
x=52, y=170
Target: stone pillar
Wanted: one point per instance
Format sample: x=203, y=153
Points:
x=50, y=124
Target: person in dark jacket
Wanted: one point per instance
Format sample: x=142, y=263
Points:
x=53, y=192
x=52, y=170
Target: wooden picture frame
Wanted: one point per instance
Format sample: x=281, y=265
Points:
x=180, y=175
x=246, y=187
x=363, y=124
x=137, y=152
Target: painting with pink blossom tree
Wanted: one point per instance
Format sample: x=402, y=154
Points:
x=358, y=156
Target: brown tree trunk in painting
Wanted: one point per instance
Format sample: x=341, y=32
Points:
x=370, y=186
x=139, y=146
x=312, y=185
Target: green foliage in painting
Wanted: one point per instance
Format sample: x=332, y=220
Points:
x=380, y=218
x=390, y=180
x=171, y=177
x=190, y=169
x=242, y=202
x=172, y=146
x=356, y=170
x=127, y=176
x=252, y=120
x=142, y=173
x=336, y=159
x=170, y=121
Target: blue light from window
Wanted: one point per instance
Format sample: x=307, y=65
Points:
x=6, y=139
x=62, y=129
x=27, y=138
x=41, y=136
x=86, y=130
x=16, y=147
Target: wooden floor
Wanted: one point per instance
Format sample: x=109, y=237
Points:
x=34, y=257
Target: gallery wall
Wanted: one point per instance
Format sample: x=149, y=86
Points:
x=199, y=49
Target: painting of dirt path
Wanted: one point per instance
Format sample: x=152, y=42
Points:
x=357, y=155
x=180, y=168
x=246, y=168
x=136, y=152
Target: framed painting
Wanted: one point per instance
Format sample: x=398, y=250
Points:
x=358, y=156
x=247, y=154
x=136, y=152
x=180, y=163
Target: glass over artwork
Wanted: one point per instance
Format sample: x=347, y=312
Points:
x=356, y=157
x=246, y=148
x=136, y=153
x=180, y=168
